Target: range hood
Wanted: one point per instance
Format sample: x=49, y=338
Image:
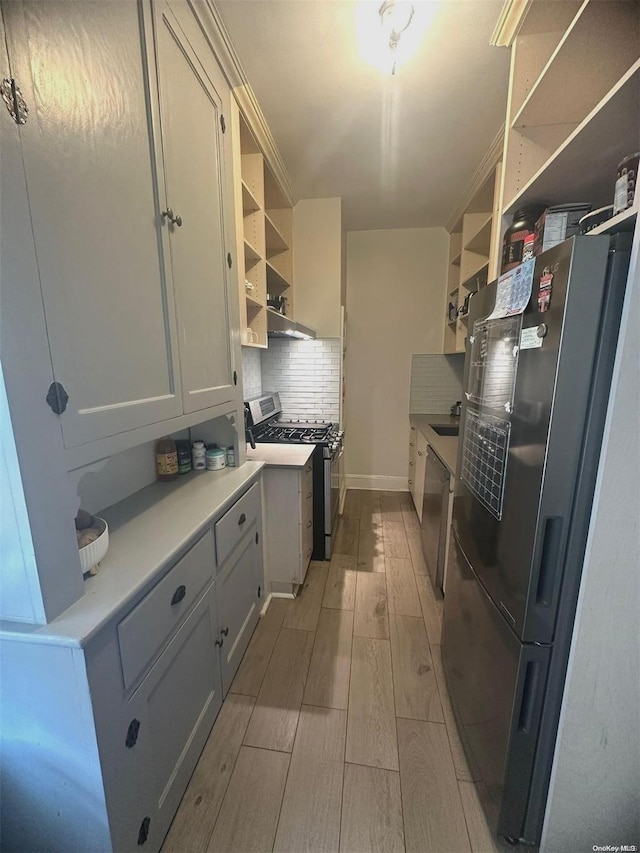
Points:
x=279, y=326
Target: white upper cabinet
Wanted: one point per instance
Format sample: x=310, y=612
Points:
x=194, y=160
x=91, y=179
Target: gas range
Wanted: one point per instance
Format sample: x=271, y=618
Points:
x=264, y=425
x=290, y=432
x=264, y=422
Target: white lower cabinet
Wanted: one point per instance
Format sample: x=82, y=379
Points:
x=289, y=525
x=177, y=703
x=420, y=467
x=239, y=594
x=412, y=462
x=122, y=712
x=417, y=464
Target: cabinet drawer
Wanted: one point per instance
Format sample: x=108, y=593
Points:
x=143, y=632
x=233, y=524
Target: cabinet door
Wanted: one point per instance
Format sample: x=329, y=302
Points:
x=412, y=462
x=192, y=142
x=178, y=702
x=421, y=461
x=238, y=594
x=91, y=180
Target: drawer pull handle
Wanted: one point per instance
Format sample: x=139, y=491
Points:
x=242, y=519
x=179, y=594
x=224, y=632
x=132, y=733
x=309, y=495
x=219, y=643
x=309, y=523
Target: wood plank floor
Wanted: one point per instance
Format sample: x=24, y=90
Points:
x=337, y=735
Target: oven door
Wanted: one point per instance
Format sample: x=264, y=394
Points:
x=331, y=496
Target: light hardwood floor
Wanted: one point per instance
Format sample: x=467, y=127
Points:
x=337, y=735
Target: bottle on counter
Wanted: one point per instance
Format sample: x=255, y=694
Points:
x=184, y=457
x=166, y=459
x=198, y=451
x=231, y=456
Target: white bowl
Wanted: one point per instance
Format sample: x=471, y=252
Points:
x=92, y=553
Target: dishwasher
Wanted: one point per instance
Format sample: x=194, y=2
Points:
x=435, y=518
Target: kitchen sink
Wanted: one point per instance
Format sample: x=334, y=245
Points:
x=445, y=429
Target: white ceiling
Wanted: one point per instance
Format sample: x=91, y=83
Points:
x=400, y=150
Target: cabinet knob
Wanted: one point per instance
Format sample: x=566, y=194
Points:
x=242, y=519
x=179, y=594
x=175, y=220
x=420, y=453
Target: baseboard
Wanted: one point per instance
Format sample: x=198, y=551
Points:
x=377, y=483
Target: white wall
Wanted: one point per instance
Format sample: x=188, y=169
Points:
x=317, y=264
x=595, y=782
x=396, y=283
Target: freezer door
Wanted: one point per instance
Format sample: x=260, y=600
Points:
x=517, y=553
x=496, y=685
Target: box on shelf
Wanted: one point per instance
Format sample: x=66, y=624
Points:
x=557, y=224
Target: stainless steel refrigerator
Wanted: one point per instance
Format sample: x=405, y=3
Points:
x=536, y=386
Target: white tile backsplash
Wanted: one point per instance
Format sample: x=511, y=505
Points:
x=251, y=373
x=436, y=383
x=307, y=376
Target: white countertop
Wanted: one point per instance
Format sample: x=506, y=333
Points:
x=446, y=446
x=148, y=531
x=281, y=455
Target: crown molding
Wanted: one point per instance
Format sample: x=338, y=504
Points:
x=509, y=22
x=486, y=167
x=220, y=42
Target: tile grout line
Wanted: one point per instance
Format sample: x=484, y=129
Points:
x=235, y=761
x=266, y=667
x=284, y=790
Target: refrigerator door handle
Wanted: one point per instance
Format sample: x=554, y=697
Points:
x=529, y=694
x=549, y=560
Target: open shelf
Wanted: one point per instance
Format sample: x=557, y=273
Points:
x=250, y=254
x=252, y=302
x=275, y=242
x=583, y=167
x=538, y=38
x=276, y=282
x=598, y=47
x=480, y=242
x=249, y=201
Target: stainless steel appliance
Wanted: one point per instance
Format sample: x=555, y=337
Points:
x=435, y=517
x=263, y=423
x=536, y=387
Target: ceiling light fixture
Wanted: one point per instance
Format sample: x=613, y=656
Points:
x=395, y=17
